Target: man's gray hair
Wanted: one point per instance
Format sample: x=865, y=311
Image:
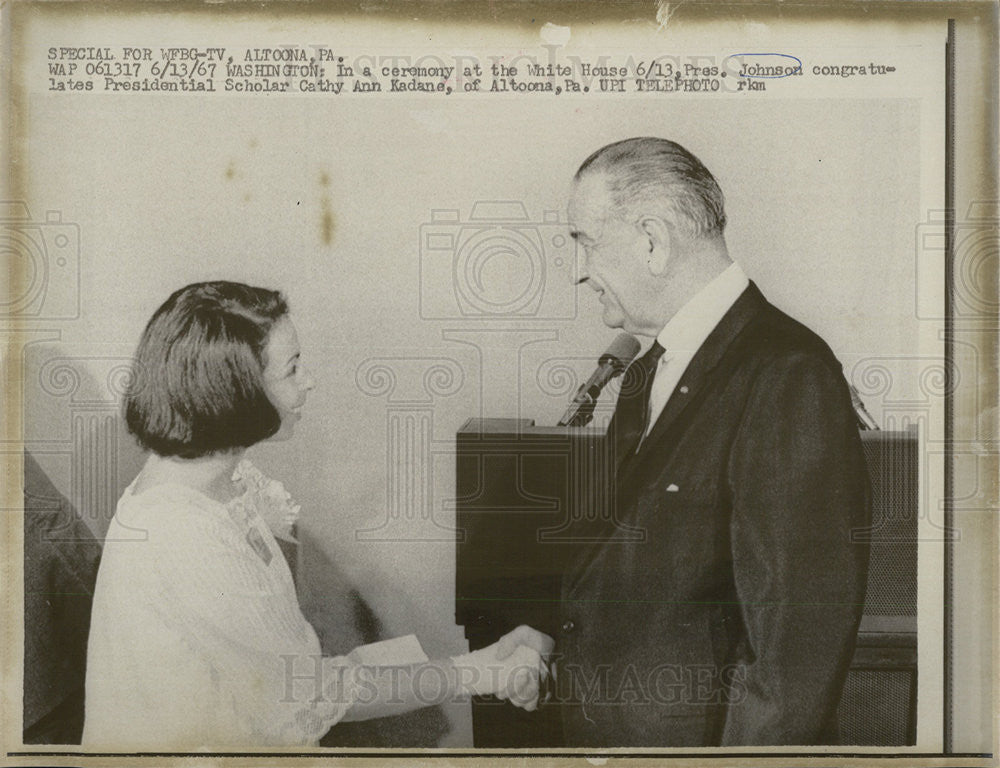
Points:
x=644, y=172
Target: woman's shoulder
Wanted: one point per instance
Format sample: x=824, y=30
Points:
x=168, y=513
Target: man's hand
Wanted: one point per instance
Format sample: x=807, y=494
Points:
x=526, y=680
x=525, y=635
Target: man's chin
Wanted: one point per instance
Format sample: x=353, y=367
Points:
x=613, y=319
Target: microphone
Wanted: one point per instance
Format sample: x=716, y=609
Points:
x=865, y=419
x=614, y=360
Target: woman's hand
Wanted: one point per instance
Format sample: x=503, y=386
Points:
x=523, y=681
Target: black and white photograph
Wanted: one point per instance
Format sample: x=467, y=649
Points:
x=468, y=381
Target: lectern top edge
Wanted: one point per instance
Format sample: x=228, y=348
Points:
x=475, y=426
x=522, y=427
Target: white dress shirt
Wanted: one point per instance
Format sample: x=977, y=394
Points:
x=683, y=336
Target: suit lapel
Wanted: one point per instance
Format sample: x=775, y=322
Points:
x=695, y=377
x=708, y=356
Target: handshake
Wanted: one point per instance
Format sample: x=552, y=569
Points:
x=513, y=668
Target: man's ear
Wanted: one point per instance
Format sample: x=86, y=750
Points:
x=659, y=243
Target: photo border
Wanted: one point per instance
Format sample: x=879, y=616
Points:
x=952, y=195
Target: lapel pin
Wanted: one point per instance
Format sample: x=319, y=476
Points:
x=684, y=390
x=672, y=488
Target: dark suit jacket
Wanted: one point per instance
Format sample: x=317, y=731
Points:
x=734, y=621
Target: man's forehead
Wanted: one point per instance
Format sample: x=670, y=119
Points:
x=588, y=200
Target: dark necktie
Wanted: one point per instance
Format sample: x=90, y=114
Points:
x=631, y=411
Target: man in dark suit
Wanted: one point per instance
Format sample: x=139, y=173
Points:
x=733, y=621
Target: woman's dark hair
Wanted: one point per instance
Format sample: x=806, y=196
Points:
x=197, y=377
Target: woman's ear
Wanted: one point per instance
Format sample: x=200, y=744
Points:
x=658, y=239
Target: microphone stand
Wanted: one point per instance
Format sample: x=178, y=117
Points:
x=582, y=416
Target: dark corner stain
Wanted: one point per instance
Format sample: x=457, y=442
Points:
x=324, y=179
x=231, y=171
x=327, y=222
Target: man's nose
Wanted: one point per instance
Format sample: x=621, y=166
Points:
x=582, y=274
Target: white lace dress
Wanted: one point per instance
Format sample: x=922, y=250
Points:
x=196, y=637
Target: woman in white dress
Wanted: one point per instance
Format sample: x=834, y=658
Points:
x=197, y=640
